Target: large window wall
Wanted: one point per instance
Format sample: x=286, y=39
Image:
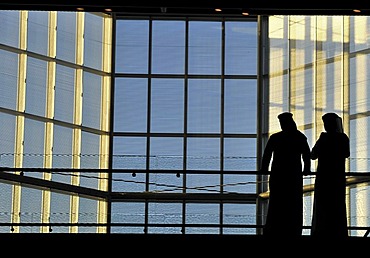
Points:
x=155, y=125
x=319, y=64
x=184, y=122
x=185, y=114
x=55, y=94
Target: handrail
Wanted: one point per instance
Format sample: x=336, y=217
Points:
x=352, y=179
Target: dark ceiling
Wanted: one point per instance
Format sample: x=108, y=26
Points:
x=200, y=7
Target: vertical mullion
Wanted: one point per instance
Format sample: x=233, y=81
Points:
x=148, y=137
x=48, y=148
x=105, y=119
x=21, y=104
x=222, y=119
x=75, y=180
x=185, y=143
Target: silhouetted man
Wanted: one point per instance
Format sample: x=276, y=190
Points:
x=287, y=149
x=329, y=217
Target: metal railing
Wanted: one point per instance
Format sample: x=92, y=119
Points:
x=23, y=176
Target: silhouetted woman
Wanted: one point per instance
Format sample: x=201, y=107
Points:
x=286, y=148
x=329, y=208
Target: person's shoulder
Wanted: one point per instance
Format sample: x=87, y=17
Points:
x=276, y=134
x=345, y=136
x=323, y=134
x=301, y=134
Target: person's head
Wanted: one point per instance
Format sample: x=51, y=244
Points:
x=287, y=122
x=332, y=122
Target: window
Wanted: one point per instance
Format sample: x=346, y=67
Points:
x=185, y=104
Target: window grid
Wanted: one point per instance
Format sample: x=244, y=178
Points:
x=195, y=99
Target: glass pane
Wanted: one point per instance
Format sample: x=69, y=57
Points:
x=8, y=79
x=91, y=100
x=168, y=48
x=132, y=44
x=7, y=139
x=62, y=153
x=166, y=154
x=167, y=112
x=239, y=214
x=241, y=48
x=64, y=94
x=9, y=26
x=202, y=213
x=34, y=146
x=130, y=102
x=60, y=211
x=205, y=39
x=129, y=213
x=38, y=32
x=240, y=155
x=129, y=153
x=87, y=213
x=90, y=145
x=6, y=191
x=203, y=154
x=93, y=41
x=165, y=214
x=36, y=86
x=204, y=105
x=31, y=201
x=66, y=36
x=241, y=106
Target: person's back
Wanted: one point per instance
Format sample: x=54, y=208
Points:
x=284, y=216
x=288, y=148
x=332, y=151
x=329, y=210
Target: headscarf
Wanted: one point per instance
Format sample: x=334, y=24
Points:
x=287, y=122
x=332, y=122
